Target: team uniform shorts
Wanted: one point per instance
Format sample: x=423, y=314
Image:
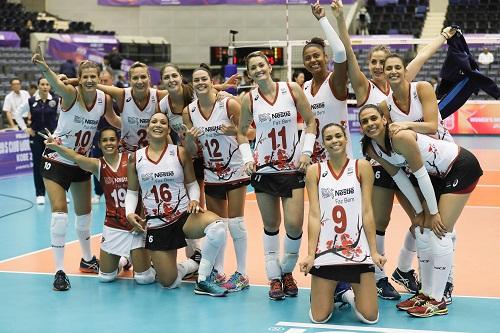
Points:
x=383, y=179
x=120, y=242
x=463, y=176
x=219, y=191
x=346, y=273
x=169, y=237
x=63, y=174
x=199, y=168
x=277, y=184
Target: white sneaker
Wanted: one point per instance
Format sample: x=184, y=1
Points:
x=40, y=200
x=95, y=199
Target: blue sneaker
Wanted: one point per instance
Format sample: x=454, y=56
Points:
x=407, y=280
x=386, y=291
x=209, y=288
x=216, y=277
x=340, y=290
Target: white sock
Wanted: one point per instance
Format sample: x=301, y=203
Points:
x=271, y=255
x=452, y=271
x=442, y=250
x=82, y=226
x=291, y=254
x=192, y=246
x=425, y=259
x=380, y=241
x=58, y=229
x=215, y=238
x=238, y=232
x=219, y=260
x=407, y=252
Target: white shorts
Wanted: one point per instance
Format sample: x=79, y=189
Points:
x=121, y=242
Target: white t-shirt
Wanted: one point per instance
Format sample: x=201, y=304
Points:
x=484, y=59
x=13, y=101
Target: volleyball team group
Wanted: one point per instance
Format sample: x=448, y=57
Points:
x=177, y=162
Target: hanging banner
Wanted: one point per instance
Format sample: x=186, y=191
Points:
x=15, y=153
x=136, y=3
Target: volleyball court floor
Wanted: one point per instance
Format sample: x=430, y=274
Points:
x=28, y=303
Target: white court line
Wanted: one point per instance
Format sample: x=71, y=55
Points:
x=358, y=328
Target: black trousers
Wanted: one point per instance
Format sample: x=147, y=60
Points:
x=37, y=146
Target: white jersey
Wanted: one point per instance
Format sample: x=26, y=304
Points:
x=135, y=120
x=415, y=112
x=438, y=155
x=342, y=238
x=277, y=148
x=162, y=186
x=375, y=95
x=327, y=109
x=174, y=119
x=77, y=126
x=221, y=157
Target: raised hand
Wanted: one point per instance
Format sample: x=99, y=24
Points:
x=337, y=7
x=317, y=10
x=39, y=60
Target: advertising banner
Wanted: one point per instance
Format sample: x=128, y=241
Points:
x=15, y=153
x=476, y=117
x=10, y=39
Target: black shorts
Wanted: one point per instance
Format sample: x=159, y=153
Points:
x=345, y=273
x=383, y=179
x=199, y=169
x=170, y=237
x=63, y=174
x=276, y=184
x=462, y=177
x=220, y=191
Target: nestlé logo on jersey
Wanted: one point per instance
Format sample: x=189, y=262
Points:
x=281, y=114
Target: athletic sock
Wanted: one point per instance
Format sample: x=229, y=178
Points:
x=271, y=254
x=238, y=232
x=380, y=241
x=291, y=253
x=407, y=252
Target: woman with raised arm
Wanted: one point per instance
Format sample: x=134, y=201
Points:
x=214, y=124
x=341, y=230
x=374, y=90
x=277, y=166
x=455, y=173
x=163, y=174
x=327, y=91
x=117, y=236
x=81, y=109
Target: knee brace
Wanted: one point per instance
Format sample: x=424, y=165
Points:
x=146, y=277
x=59, y=224
x=108, y=277
x=83, y=222
x=216, y=233
x=319, y=321
x=237, y=227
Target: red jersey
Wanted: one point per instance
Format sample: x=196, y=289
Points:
x=114, y=185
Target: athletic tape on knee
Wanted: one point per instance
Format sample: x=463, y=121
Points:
x=363, y=319
x=319, y=321
x=146, y=277
x=237, y=227
x=216, y=233
x=83, y=222
x=107, y=277
x=59, y=224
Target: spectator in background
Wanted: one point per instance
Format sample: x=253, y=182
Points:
x=68, y=68
x=14, y=100
x=32, y=89
x=299, y=78
x=364, y=21
x=121, y=82
x=485, y=58
x=115, y=62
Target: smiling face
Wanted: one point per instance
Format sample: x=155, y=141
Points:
x=158, y=127
x=89, y=79
x=259, y=69
x=202, y=83
x=314, y=59
x=171, y=78
x=139, y=79
x=372, y=123
x=108, y=142
x=334, y=139
x=394, y=70
x=376, y=64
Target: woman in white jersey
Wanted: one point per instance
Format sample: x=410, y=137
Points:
x=374, y=90
x=163, y=174
x=341, y=230
x=214, y=124
x=277, y=166
x=117, y=238
x=327, y=91
x=455, y=172
x=81, y=109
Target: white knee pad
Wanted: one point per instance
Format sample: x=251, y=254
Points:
x=59, y=224
x=108, y=277
x=319, y=322
x=441, y=246
x=363, y=319
x=83, y=222
x=146, y=277
x=216, y=233
x=237, y=227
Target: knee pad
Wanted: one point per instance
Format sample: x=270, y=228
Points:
x=59, y=224
x=107, y=277
x=83, y=222
x=216, y=233
x=237, y=227
x=363, y=319
x=319, y=322
x=146, y=277
x=441, y=246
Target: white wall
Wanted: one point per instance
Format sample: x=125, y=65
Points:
x=191, y=30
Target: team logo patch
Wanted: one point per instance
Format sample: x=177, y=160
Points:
x=52, y=103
